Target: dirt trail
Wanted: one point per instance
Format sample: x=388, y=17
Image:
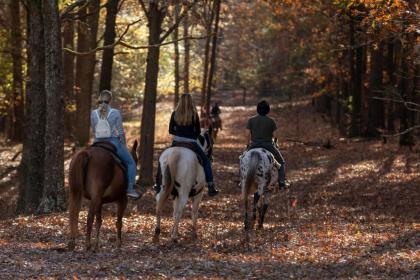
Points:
x=357, y=216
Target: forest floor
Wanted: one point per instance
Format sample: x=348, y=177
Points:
x=357, y=214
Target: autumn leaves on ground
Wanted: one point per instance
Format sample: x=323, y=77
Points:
x=356, y=216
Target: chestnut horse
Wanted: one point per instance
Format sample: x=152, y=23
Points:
x=95, y=175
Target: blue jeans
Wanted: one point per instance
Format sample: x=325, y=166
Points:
x=126, y=159
x=206, y=162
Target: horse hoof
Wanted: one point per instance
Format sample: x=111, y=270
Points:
x=260, y=226
x=88, y=247
x=118, y=244
x=156, y=239
x=174, y=240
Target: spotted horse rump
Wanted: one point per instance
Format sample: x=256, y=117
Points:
x=258, y=171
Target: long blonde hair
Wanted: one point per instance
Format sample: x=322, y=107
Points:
x=185, y=112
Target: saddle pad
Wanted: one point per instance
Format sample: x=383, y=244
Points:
x=189, y=146
x=112, y=150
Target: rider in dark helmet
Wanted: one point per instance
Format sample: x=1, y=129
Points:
x=262, y=129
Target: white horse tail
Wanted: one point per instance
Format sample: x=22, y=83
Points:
x=254, y=161
x=168, y=178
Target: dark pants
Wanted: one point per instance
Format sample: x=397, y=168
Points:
x=271, y=147
x=204, y=159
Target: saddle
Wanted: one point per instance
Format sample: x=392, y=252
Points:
x=189, y=146
x=112, y=150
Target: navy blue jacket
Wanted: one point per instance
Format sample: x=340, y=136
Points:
x=191, y=131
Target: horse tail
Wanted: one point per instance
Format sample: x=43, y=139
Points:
x=78, y=171
x=77, y=178
x=254, y=161
x=168, y=180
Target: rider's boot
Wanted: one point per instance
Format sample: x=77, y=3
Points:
x=283, y=183
x=132, y=193
x=212, y=190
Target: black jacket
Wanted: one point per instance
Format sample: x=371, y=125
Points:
x=191, y=131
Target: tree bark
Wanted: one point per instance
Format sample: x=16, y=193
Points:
x=68, y=71
x=147, y=133
x=407, y=81
x=53, y=195
x=16, y=110
x=109, y=39
x=33, y=158
x=356, y=74
x=376, y=107
x=176, y=58
x=213, y=55
x=186, y=56
x=85, y=68
x=206, y=61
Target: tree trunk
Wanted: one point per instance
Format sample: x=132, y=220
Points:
x=147, y=133
x=391, y=66
x=16, y=110
x=356, y=68
x=85, y=67
x=53, y=195
x=109, y=39
x=68, y=71
x=376, y=107
x=33, y=157
x=176, y=58
x=407, y=81
x=186, y=56
x=206, y=62
x=213, y=56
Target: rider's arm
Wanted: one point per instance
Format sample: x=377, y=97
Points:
x=120, y=128
x=172, y=124
x=248, y=133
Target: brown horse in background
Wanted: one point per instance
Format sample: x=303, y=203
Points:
x=95, y=175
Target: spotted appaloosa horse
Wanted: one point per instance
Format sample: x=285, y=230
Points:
x=183, y=177
x=96, y=176
x=258, y=170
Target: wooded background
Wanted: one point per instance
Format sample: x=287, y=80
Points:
x=359, y=60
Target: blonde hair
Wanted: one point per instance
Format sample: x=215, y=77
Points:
x=185, y=112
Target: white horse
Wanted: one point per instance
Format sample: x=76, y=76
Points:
x=182, y=177
x=258, y=171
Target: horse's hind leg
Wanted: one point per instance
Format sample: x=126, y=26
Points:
x=179, y=205
x=74, y=209
x=98, y=214
x=122, y=205
x=194, y=214
x=89, y=224
x=254, y=207
x=262, y=210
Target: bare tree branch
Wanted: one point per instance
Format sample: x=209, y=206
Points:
x=402, y=132
x=104, y=47
x=66, y=11
x=407, y=104
x=165, y=43
x=175, y=25
x=146, y=12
